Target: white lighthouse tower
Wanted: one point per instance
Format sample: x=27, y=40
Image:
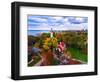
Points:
x=51, y=33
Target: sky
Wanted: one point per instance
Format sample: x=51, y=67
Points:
x=36, y=22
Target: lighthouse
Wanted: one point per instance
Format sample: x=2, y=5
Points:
x=51, y=33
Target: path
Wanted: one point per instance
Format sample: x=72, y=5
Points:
x=63, y=61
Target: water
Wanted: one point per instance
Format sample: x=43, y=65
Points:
x=36, y=32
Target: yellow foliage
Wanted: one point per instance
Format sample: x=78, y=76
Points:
x=50, y=42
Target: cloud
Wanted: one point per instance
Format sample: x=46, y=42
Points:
x=57, y=23
x=77, y=20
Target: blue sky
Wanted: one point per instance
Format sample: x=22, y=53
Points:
x=36, y=22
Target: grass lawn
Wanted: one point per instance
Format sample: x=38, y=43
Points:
x=78, y=54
